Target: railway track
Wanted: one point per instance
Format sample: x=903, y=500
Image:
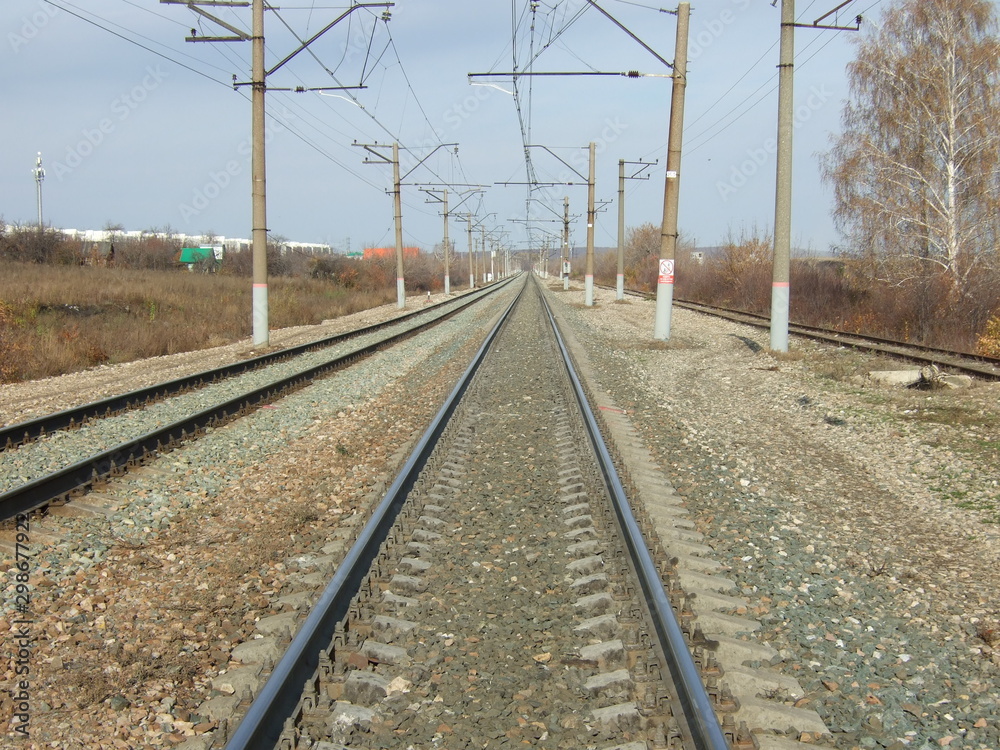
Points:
x=187, y=610
x=976, y=366
x=47, y=462
x=13, y=435
x=502, y=593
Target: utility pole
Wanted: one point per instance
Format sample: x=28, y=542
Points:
x=472, y=265
x=258, y=84
x=783, y=186
x=39, y=176
x=589, y=181
x=671, y=188
x=397, y=211
x=567, y=265
x=620, y=275
x=447, y=271
x=480, y=264
x=397, y=202
x=780, y=270
x=588, y=280
x=443, y=199
x=544, y=257
x=620, y=291
x=258, y=237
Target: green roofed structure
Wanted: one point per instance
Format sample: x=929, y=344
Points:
x=207, y=259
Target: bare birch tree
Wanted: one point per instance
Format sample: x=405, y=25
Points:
x=916, y=169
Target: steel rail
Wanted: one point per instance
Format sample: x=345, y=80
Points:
x=16, y=434
x=262, y=725
x=975, y=364
x=703, y=724
x=85, y=473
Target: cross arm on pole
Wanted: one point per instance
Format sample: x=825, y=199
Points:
x=622, y=74
x=566, y=164
x=538, y=184
x=433, y=193
x=428, y=156
x=642, y=167
x=370, y=148
x=239, y=34
x=474, y=220
x=817, y=24
x=326, y=28
x=622, y=26
x=543, y=204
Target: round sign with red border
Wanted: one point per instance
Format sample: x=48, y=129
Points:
x=666, y=271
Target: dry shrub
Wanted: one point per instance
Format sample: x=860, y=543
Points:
x=29, y=244
x=842, y=293
x=642, y=255
x=13, y=347
x=738, y=276
x=820, y=290
x=988, y=343
x=745, y=265
x=57, y=319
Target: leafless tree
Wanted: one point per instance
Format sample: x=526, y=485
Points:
x=916, y=169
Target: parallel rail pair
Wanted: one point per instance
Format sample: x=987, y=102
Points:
x=85, y=473
x=261, y=727
x=975, y=365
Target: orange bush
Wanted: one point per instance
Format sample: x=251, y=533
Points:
x=988, y=343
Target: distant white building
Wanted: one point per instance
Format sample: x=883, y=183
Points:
x=230, y=244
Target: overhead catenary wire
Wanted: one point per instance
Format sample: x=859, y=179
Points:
x=305, y=128
x=708, y=137
x=291, y=129
x=328, y=132
x=65, y=7
x=352, y=97
x=706, y=133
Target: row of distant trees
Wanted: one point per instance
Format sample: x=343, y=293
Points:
x=159, y=250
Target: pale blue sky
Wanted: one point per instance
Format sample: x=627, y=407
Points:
x=130, y=137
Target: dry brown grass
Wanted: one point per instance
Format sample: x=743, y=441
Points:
x=58, y=319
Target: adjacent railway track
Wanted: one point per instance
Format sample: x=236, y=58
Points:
x=974, y=365
x=503, y=592
x=13, y=435
x=238, y=389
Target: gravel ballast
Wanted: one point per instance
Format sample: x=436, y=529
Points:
x=859, y=522
x=61, y=449
x=135, y=615
x=838, y=509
